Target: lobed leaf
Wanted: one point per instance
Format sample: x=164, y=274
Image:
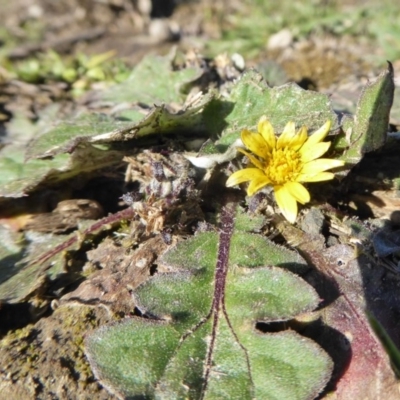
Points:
x=201, y=339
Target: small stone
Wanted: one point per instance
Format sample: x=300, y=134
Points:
x=238, y=61
x=313, y=222
x=280, y=40
x=163, y=30
x=144, y=7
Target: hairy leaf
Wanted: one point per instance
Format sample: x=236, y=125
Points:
x=368, y=130
x=154, y=81
x=200, y=338
x=101, y=129
x=251, y=98
x=20, y=276
x=22, y=177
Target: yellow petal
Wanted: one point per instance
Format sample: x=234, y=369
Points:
x=286, y=202
x=244, y=175
x=267, y=132
x=286, y=136
x=299, y=139
x=311, y=153
x=257, y=184
x=298, y=191
x=255, y=143
x=252, y=159
x=322, y=176
x=318, y=136
x=322, y=164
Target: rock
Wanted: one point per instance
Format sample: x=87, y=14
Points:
x=280, y=40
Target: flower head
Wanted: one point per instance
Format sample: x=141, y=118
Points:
x=284, y=162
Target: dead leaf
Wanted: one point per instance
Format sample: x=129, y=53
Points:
x=65, y=216
x=122, y=270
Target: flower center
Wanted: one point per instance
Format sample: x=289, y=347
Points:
x=283, y=166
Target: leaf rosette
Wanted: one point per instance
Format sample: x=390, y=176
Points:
x=199, y=339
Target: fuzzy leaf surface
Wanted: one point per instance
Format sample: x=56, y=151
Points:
x=22, y=177
x=251, y=98
x=154, y=81
x=102, y=129
x=20, y=276
x=200, y=340
x=368, y=130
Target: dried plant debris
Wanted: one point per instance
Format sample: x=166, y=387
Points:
x=119, y=271
x=65, y=216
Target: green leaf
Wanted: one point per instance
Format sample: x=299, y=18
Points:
x=100, y=129
x=248, y=222
x=251, y=98
x=250, y=250
x=20, y=276
x=18, y=177
x=11, y=252
x=200, y=339
x=21, y=177
x=142, y=352
x=67, y=135
x=154, y=81
x=368, y=131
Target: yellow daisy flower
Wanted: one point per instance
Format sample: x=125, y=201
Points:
x=284, y=162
